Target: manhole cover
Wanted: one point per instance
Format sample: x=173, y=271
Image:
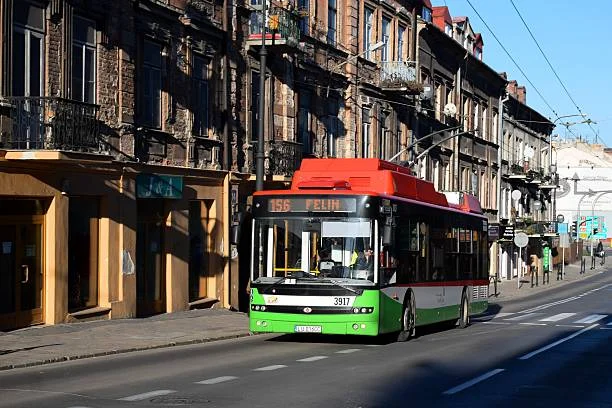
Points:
x=179, y=401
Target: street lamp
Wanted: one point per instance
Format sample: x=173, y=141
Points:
x=260, y=155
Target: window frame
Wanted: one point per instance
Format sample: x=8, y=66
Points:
x=155, y=120
x=332, y=23
x=85, y=46
x=199, y=116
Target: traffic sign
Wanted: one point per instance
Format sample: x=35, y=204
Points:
x=521, y=239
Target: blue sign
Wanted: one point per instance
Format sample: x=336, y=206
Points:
x=159, y=186
x=562, y=228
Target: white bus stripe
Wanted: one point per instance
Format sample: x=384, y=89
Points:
x=146, y=395
x=270, y=368
x=474, y=381
x=313, y=358
x=347, y=351
x=556, y=343
x=591, y=319
x=557, y=317
x=217, y=380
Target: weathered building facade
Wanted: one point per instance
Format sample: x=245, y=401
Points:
x=114, y=201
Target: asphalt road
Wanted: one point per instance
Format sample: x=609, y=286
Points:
x=553, y=349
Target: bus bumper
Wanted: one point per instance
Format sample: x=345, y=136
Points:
x=264, y=323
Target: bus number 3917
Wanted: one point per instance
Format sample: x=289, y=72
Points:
x=341, y=301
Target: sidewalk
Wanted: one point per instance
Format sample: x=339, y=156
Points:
x=47, y=344
x=507, y=289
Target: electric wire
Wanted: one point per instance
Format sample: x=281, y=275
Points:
x=550, y=65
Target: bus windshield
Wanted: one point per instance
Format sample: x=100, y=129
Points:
x=315, y=249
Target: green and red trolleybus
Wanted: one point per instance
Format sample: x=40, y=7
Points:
x=361, y=246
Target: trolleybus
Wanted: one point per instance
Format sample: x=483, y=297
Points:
x=363, y=247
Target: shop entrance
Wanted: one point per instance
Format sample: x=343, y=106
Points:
x=21, y=271
x=150, y=258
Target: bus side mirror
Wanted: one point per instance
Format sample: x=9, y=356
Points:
x=388, y=232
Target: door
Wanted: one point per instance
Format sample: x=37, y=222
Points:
x=150, y=260
x=21, y=273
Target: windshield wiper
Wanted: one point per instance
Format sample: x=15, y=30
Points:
x=334, y=282
x=303, y=275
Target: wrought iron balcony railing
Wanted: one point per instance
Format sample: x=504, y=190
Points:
x=50, y=123
x=283, y=158
x=398, y=75
x=282, y=28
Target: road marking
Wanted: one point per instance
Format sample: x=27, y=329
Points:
x=547, y=305
x=217, y=380
x=347, y=351
x=557, y=317
x=489, y=322
x=146, y=395
x=474, y=381
x=522, y=317
x=313, y=358
x=486, y=318
x=591, y=319
x=270, y=368
x=556, y=343
x=609, y=324
x=534, y=324
x=569, y=325
x=606, y=328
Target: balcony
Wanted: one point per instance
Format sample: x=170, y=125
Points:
x=282, y=28
x=399, y=76
x=50, y=123
x=283, y=158
x=531, y=227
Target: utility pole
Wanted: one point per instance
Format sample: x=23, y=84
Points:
x=260, y=154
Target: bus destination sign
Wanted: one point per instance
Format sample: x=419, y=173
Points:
x=312, y=204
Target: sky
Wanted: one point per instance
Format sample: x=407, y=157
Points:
x=573, y=37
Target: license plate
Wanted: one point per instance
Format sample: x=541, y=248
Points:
x=308, y=329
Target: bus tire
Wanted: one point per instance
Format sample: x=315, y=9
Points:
x=408, y=318
x=464, y=311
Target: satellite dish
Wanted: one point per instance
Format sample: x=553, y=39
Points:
x=450, y=109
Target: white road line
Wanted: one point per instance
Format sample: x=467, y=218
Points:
x=270, y=368
x=556, y=343
x=522, y=317
x=557, y=317
x=569, y=325
x=476, y=380
x=534, y=324
x=216, y=380
x=347, y=351
x=489, y=322
x=591, y=319
x=146, y=395
x=547, y=305
x=486, y=318
x=313, y=358
x=609, y=324
x=606, y=328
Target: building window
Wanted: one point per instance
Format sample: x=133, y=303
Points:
x=254, y=106
x=426, y=14
x=399, y=136
x=447, y=177
x=401, y=32
x=448, y=29
x=83, y=215
x=199, y=97
x=366, y=132
x=332, y=13
x=383, y=136
x=495, y=130
x=83, y=60
x=367, y=31
x=304, y=6
x=304, y=120
x=437, y=181
x=28, y=49
x=151, y=84
x=332, y=128
x=386, y=38
x=439, y=101
x=485, y=123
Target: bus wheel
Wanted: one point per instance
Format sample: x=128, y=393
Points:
x=464, y=315
x=408, y=319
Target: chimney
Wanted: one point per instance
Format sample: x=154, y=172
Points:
x=521, y=94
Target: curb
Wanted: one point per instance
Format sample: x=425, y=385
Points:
x=122, y=351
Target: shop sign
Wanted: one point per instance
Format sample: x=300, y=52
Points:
x=507, y=232
x=493, y=232
x=159, y=186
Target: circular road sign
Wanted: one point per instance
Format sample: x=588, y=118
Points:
x=560, y=218
x=521, y=239
x=516, y=194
